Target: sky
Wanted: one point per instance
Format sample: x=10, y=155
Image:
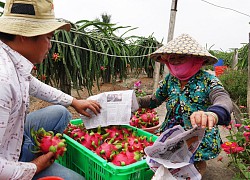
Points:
x=213, y=27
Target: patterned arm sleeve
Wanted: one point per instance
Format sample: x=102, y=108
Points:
x=157, y=98
x=48, y=93
x=10, y=169
x=220, y=97
x=5, y=109
x=16, y=170
x=222, y=105
x=221, y=102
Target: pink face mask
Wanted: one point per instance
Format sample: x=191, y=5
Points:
x=186, y=70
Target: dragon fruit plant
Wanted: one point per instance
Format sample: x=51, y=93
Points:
x=48, y=142
x=115, y=144
x=138, y=91
x=144, y=118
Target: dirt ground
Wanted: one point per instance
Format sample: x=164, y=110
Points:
x=216, y=169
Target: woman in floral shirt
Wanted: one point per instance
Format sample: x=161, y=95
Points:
x=193, y=97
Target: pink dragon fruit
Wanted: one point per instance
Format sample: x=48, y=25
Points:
x=91, y=140
x=133, y=144
x=48, y=142
x=107, y=150
x=126, y=158
x=117, y=144
x=134, y=121
x=133, y=156
x=77, y=134
x=114, y=132
x=147, y=117
x=144, y=118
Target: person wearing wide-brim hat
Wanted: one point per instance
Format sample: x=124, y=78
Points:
x=193, y=96
x=26, y=28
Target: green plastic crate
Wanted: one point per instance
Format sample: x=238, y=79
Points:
x=93, y=167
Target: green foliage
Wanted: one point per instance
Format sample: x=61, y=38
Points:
x=238, y=148
x=105, y=18
x=226, y=56
x=2, y=4
x=138, y=91
x=235, y=82
x=243, y=57
x=1, y=7
x=91, y=52
x=143, y=46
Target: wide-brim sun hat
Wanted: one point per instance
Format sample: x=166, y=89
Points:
x=30, y=18
x=184, y=45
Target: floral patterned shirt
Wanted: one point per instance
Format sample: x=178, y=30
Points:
x=16, y=85
x=181, y=103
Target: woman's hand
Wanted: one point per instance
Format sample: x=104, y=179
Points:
x=204, y=119
x=44, y=161
x=82, y=105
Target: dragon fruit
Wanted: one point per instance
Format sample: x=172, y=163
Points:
x=75, y=131
x=132, y=141
x=117, y=144
x=107, y=150
x=114, y=132
x=133, y=156
x=134, y=121
x=48, y=142
x=126, y=158
x=145, y=142
x=144, y=118
x=91, y=140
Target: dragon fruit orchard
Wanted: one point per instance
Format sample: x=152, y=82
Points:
x=115, y=144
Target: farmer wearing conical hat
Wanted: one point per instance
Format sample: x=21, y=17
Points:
x=193, y=96
x=26, y=28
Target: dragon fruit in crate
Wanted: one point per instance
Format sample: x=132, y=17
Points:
x=48, y=142
x=117, y=144
x=144, y=118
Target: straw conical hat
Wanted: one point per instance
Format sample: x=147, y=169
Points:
x=184, y=45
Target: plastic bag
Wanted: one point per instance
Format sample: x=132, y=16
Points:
x=163, y=173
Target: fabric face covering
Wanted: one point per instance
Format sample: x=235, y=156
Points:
x=186, y=70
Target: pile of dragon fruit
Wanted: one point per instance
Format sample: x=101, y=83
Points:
x=47, y=141
x=116, y=144
x=144, y=118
